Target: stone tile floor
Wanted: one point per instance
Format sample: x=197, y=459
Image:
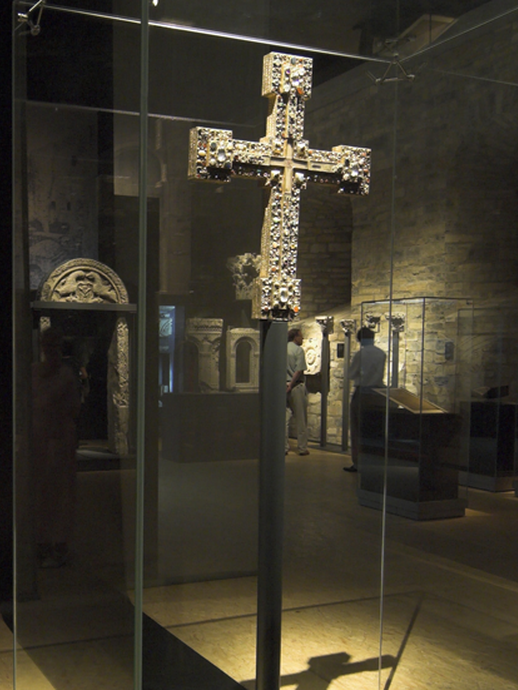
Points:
x=450, y=601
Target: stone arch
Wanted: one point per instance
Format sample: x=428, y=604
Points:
x=90, y=282
x=243, y=361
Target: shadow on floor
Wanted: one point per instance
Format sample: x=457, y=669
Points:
x=323, y=670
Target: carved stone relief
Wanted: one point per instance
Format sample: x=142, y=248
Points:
x=248, y=339
x=313, y=350
x=88, y=281
x=206, y=334
x=119, y=388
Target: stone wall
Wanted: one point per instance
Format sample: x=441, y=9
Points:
x=452, y=229
x=62, y=189
x=441, y=219
x=325, y=244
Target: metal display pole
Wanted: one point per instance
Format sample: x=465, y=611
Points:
x=284, y=162
x=326, y=324
x=274, y=336
x=349, y=327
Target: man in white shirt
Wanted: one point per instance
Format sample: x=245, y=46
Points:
x=297, y=395
x=366, y=372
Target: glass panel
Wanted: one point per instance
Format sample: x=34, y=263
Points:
x=76, y=268
x=208, y=422
x=415, y=472
x=205, y=592
x=448, y=590
x=371, y=584
x=493, y=419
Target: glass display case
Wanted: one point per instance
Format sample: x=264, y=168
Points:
x=414, y=440
x=189, y=179
x=492, y=450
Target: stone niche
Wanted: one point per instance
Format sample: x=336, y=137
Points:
x=86, y=283
x=242, y=359
x=203, y=336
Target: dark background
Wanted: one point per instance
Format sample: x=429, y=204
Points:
x=5, y=323
x=376, y=12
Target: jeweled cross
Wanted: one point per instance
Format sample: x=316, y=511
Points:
x=285, y=162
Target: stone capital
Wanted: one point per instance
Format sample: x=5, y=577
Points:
x=326, y=323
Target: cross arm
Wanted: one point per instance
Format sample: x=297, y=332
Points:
x=347, y=167
x=215, y=155
x=210, y=154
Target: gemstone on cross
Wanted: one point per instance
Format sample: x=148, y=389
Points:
x=284, y=161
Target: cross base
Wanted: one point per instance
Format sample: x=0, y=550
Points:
x=276, y=299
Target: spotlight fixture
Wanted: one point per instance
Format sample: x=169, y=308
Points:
x=27, y=18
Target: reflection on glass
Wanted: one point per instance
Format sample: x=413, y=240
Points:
x=167, y=349
x=372, y=584
x=413, y=446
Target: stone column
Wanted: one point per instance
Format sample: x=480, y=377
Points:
x=349, y=328
x=118, y=404
x=326, y=324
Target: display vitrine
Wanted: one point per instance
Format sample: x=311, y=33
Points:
x=414, y=440
x=146, y=265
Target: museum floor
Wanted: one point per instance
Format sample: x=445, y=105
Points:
x=450, y=607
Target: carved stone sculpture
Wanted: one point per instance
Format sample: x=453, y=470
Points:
x=372, y=321
x=348, y=326
x=86, y=281
x=326, y=324
x=313, y=350
x=397, y=321
x=244, y=269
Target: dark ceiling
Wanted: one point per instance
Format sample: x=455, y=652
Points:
x=76, y=51
x=346, y=26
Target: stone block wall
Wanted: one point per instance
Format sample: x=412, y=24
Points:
x=325, y=245
x=451, y=230
x=441, y=218
x=62, y=189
